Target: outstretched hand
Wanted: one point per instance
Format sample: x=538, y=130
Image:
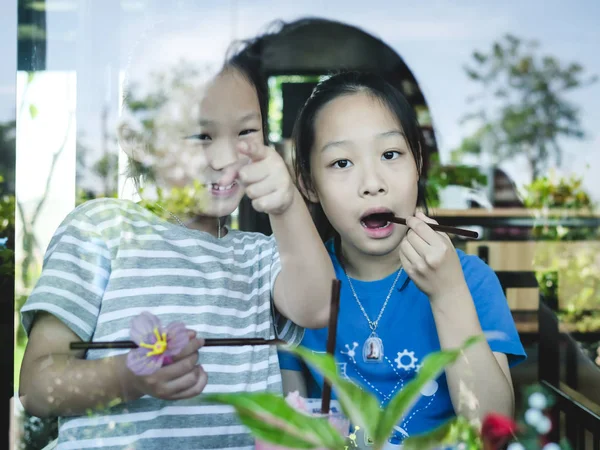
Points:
x=266, y=178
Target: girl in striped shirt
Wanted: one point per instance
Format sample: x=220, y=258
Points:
x=112, y=259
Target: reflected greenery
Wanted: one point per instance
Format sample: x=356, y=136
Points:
x=521, y=109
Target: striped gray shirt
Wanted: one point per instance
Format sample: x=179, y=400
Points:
x=112, y=259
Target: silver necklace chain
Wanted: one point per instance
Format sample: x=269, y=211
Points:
x=179, y=221
x=172, y=215
x=373, y=324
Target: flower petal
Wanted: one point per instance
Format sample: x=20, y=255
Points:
x=142, y=328
x=177, y=338
x=140, y=364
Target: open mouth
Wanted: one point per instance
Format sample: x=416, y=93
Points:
x=218, y=187
x=374, y=220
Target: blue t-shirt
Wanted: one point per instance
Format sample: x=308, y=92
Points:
x=408, y=334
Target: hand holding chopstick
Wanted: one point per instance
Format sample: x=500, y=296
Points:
x=442, y=228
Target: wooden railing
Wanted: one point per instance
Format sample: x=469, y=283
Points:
x=576, y=418
x=581, y=424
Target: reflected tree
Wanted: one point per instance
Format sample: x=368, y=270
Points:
x=523, y=106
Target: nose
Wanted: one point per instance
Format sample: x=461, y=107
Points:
x=372, y=183
x=222, y=154
x=195, y=164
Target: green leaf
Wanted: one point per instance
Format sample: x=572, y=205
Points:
x=432, y=366
x=431, y=440
x=360, y=406
x=472, y=74
x=270, y=418
x=30, y=76
x=33, y=111
x=449, y=434
x=479, y=57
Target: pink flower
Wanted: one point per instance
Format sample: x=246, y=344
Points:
x=156, y=345
x=296, y=401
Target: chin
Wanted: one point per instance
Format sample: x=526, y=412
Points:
x=222, y=208
x=380, y=248
x=376, y=247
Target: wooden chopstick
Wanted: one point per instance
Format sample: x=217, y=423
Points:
x=442, y=228
x=331, y=339
x=227, y=342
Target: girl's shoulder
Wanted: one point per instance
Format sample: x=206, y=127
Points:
x=101, y=209
x=106, y=219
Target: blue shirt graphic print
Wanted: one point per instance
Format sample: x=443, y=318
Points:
x=408, y=334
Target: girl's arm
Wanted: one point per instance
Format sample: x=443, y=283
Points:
x=480, y=375
x=303, y=288
x=294, y=381
x=56, y=381
x=480, y=380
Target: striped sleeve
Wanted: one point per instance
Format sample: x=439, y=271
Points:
x=285, y=329
x=74, y=276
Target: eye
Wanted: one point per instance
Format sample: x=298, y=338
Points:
x=248, y=132
x=390, y=155
x=199, y=137
x=342, y=163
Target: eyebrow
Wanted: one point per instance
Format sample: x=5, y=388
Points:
x=385, y=134
x=242, y=119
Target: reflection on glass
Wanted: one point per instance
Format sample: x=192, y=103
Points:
x=45, y=190
x=189, y=131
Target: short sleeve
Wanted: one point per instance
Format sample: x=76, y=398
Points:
x=75, y=273
x=285, y=329
x=492, y=308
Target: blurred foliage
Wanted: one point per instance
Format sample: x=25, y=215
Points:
x=441, y=176
x=566, y=193
x=548, y=192
x=7, y=150
x=569, y=263
x=154, y=125
x=36, y=432
x=183, y=202
x=523, y=109
x=156, y=116
x=276, y=101
x=7, y=230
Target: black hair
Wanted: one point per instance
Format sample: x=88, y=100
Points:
x=347, y=83
x=245, y=57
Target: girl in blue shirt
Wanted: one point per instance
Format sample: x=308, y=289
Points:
x=406, y=291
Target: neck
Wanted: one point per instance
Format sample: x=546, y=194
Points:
x=369, y=267
x=192, y=221
x=207, y=224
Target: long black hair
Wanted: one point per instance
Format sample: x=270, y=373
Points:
x=347, y=83
x=245, y=58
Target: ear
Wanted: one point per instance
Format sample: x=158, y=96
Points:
x=307, y=193
x=131, y=142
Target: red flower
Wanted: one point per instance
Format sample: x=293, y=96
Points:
x=497, y=430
